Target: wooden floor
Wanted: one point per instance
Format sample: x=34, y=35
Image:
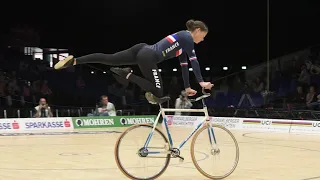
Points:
x=270, y=156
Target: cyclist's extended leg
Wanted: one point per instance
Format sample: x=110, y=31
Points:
x=125, y=57
x=148, y=66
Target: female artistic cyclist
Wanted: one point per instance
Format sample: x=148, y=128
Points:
x=148, y=56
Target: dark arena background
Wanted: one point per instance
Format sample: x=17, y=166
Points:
x=263, y=58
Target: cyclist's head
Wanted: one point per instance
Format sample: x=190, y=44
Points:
x=198, y=30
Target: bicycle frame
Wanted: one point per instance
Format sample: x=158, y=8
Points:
x=162, y=113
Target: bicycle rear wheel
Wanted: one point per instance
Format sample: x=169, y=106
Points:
x=130, y=148
x=216, y=142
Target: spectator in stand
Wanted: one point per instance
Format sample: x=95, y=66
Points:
x=106, y=108
x=311, y=98
x=183, y=102
x=43, y=109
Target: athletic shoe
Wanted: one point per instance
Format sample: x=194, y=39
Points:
x=150, y=97
x=122, y=72
x=67, y=62
x=155, y=100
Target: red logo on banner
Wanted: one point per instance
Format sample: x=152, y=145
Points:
x=15, y=125
x=67, y=123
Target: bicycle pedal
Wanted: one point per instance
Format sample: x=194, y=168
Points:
x=181, y=159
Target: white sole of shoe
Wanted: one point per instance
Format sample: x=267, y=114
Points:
x=149, y=97
x=60, y=64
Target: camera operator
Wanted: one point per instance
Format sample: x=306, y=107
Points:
x=43, y=109
x=183, y=103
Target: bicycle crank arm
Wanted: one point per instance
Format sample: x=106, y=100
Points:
x=181, y=159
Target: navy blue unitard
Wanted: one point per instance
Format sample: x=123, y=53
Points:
x=147, y=57
x=179, y=44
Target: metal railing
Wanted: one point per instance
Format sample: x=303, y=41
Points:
x=61, y=112
x=222, y=112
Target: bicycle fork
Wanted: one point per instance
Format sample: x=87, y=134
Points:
x=214, y=145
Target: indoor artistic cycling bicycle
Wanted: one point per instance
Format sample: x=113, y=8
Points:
x=147, y=142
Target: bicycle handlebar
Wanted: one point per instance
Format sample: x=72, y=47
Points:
x=204, y=93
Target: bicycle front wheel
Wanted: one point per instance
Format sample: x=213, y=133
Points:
x=221, y=150
x=137, y=162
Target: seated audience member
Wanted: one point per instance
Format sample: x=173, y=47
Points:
x=43, y=109
x=106, y=108
x=183, y=103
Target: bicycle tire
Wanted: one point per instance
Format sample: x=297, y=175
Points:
x=195, y=161
x=116, y=152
